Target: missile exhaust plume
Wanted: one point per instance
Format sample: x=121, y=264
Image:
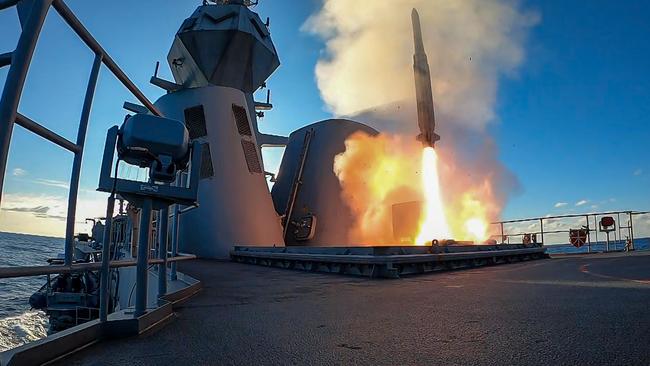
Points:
x=365, y=73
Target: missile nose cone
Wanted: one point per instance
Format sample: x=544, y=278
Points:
x=415, y=16
x=417, y=32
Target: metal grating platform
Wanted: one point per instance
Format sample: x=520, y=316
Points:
x=385, y=261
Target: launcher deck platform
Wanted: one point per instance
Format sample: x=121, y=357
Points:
x=386, y=261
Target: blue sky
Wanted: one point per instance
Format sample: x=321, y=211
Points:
x=574, y=124
x=571, y=124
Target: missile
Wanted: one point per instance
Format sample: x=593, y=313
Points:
x=423, y=93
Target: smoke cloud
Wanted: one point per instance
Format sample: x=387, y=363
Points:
x=366, y=73
x=369, y=44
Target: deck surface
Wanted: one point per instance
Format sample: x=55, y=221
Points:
x=592, y=309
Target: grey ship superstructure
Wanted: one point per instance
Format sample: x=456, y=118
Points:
x=220, y=56
x=207, y=194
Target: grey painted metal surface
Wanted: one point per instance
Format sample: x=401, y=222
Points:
x=386, y=262
x=120, y=324
x=174, y=245
x=7, y=3
x=320, y=191
x=29, y=271
x=5, y=59
x=235, y=204
x=43, y=132
x=143, y=256
x=106, y=250
x=545, y=312
x=78, y=158
x=32, y=15
x=162, y=251
x=225, y=45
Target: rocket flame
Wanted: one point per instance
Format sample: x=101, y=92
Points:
x=434, y=223
x=378, y=172
x=477, y=228
x=375, y=173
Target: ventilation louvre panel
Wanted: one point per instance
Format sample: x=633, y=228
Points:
x=207, y=170
x=195, y=122
x=250, y=153
x=241, y=119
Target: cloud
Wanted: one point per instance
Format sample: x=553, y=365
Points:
x=37, y=210
x=470, y=44
x=560, y=204
x=366, y=73
x=19, y=172
x=53, y=183
x=594, y=207
x=581, y=202
x=44, y=207
x=638, y=172
x=43, y=214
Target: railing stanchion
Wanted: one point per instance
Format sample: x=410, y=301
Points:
x=106, y=253
x=143, y=258
x=162, y=251
x=175, y=223
x=78, y=158
x=13, y=88
x=631, y=231
x=502, y=239
x=588, y=236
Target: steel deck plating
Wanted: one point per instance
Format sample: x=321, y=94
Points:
x=385, y=261
x=570, y=310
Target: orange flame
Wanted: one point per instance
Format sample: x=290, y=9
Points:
x=434, y=222
x=377, y=172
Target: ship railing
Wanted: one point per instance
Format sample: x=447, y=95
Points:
x=79, y=310
x=30, y=271
x=32, y=14
x=591, y=226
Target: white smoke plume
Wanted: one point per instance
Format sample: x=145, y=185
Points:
x=469, y=43
x=366, y=72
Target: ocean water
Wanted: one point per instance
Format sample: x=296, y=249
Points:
x=639, y=244
x=19, y=324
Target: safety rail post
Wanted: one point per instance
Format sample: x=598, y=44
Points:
x=175, y=223
x=4, y=4
x=104, y=279
x=5, y=59
x=162, y=251
x=588, y=235
x=502, y=241
x=631, y=230
x=78, y=158
x=596, y=227
x=13, y=88
x=30, y=271
x=143, y=258
x=617, y=233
